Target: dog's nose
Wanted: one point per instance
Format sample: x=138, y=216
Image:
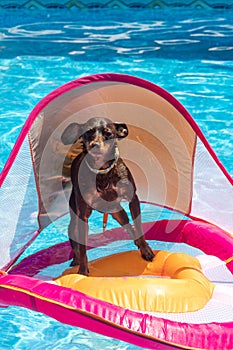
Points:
x=95, y=144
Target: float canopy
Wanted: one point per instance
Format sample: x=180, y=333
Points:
x=171, y=161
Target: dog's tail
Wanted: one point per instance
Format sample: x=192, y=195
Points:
x=105, y=221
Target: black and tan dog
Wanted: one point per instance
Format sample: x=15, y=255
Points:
x=100, y=181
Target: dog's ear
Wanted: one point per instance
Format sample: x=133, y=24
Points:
x=121, y=130
x=71, y=134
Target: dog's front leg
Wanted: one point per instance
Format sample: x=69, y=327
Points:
x=139, y=239
x=82, y=238
x=78, y=233
x=72, y=229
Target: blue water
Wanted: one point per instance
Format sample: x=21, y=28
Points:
x=189, y=53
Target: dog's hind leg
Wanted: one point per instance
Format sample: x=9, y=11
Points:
x=122, y=218
x=136, y=232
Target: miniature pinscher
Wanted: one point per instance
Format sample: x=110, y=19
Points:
x=100, y=181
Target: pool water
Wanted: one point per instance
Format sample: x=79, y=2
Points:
x=187, y=52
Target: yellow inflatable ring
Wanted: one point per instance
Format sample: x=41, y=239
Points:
x=173, y=282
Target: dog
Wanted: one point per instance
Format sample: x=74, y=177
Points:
x=100, y=181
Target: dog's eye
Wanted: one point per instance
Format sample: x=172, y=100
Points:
x=107, y=133
x=89, y=132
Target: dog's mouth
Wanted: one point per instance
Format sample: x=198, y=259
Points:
x=101, y=156
x=96, y=149
x=100, y=148
x=97, y=152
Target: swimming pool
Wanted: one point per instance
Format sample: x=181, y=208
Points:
x=189, y=54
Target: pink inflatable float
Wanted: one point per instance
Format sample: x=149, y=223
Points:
x=174, y=167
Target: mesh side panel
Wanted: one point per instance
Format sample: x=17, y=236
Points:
x=212, y=192
x=18, y=207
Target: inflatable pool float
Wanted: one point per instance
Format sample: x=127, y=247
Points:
x=176, y=301
x=185, y=288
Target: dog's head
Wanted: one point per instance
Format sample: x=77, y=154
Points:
x=99, y=135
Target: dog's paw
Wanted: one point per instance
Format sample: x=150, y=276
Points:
x=147, y=253
x=83, y=270
x=74, y=262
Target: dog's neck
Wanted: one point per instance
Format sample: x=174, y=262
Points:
x=104, y=168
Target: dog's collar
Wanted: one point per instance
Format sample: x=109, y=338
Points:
x=104, y=171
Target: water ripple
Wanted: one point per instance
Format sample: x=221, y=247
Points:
x=176, y=42
x=145, y=37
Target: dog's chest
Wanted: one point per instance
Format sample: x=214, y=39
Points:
x=115, y=184
x=106, y=185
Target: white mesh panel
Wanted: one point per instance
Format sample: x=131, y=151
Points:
x=212, y=192
x=18, y=206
